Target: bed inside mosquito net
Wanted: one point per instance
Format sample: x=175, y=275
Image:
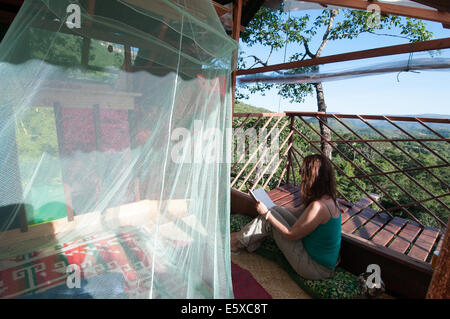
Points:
x=114, y=170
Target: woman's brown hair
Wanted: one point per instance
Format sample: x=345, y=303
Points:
x=317, y=179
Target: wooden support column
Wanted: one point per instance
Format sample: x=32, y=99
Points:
x=97, y=127
x=60, y=141
x=86, y=47
x=237, y=14
x=440, y=282
x=291, y=141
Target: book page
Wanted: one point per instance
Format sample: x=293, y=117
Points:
x=261, y=195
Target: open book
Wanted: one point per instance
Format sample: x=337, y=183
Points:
x=261, y=195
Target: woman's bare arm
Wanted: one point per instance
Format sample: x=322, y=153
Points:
x=305, y=225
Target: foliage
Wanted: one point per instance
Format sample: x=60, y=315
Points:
x=240, y=107
x=66, y=51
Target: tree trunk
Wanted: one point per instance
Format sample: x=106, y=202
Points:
x=325, y=131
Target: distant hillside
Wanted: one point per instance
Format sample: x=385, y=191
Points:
x=386, y=127
x=240, y=107
x=359, y=126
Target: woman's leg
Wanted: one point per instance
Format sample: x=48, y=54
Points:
x=287, y=215
x=252, y=234
x=299, y=259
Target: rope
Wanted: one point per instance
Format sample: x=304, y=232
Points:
x=408, y=64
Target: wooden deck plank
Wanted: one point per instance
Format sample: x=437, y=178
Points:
x=373, y=225
x=287, y=199
x=277, y=192
x=293, y=204
x=359, y=206
x=389, y=231
x=404, y=239
x=424, y=243
x=281, y=192
x=344, y=203
x=358, y=220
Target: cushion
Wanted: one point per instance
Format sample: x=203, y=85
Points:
x=342, y=284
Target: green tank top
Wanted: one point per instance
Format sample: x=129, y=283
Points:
x=324, y=242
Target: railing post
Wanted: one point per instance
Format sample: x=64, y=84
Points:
x=289, y=161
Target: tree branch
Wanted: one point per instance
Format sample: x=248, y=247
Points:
x=257, y=61
x=270, y=54
x=307, y=51
x=325, y=40
x=374, y=33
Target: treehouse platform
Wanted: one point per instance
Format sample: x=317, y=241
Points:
x=392, y=184
x=402, y=248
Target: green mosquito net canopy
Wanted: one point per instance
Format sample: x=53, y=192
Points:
x=115, y=148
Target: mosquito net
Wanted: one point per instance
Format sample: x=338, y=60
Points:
x=114, y=141
x=422, y=61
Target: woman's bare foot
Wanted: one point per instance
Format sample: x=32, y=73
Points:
x=235, y=244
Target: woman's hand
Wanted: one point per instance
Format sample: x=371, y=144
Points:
x=261, y=208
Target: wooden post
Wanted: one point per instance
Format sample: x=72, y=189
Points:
x=86, y=47
x=97, y=127
x=132, y=123
x=237, y=14
x=440, y=282
x=60, y=141
x=289, y=161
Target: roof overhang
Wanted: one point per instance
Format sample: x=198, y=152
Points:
x=433, y=10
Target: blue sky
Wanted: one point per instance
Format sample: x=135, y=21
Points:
x=412, y=93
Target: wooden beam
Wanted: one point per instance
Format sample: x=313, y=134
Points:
x=237, y=15
x=220, y=9
x=443, y=5
x=364, y=54
x=386, y=8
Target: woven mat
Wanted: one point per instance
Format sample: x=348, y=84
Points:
x=270, y=276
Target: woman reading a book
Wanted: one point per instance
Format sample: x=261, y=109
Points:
x=309, y=236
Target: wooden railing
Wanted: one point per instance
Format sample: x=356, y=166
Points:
x=403, y=159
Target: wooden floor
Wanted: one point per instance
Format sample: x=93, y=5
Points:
x=397, y=234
